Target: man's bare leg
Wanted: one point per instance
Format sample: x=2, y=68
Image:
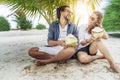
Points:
x=35, y=53
x=62, y=55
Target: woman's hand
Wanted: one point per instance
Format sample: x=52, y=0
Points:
x=91, y=39
x=96, y=39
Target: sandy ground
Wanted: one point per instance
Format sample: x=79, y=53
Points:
x=15, y=64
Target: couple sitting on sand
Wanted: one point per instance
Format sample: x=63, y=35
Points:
x=84, y=52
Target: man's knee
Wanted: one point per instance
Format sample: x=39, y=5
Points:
x=32, y=51
x=70, y=50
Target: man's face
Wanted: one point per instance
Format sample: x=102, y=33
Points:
x=66, y=13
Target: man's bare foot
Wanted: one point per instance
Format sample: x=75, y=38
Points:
x=39, y=62
x=116, y=68
x=62, y=61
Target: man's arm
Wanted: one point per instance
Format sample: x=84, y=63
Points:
x=51, y=40
x=55, y=43
x=75, y=31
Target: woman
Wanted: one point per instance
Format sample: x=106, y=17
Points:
x=89, y=45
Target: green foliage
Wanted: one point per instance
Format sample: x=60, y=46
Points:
x=22, y=22
x=47, y=8
x=4, y=24
x=112, y=16
x=40, y=26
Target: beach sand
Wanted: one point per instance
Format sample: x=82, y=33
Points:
x=16, y=64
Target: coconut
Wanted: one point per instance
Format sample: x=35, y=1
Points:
x=97, y=32
x=71, y=40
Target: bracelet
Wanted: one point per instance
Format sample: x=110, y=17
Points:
x=87, y=40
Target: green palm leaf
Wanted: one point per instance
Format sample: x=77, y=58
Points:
x=47, y=8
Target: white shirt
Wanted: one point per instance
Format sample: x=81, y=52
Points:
x=56, y=49
x=83, y=34
x=63, y=32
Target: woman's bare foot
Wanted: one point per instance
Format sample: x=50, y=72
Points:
x=101, y=57
x=115, y=68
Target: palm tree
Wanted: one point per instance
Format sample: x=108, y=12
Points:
x=47, y=8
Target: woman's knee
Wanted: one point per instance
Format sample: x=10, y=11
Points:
x=97, y=42
x=83, y=59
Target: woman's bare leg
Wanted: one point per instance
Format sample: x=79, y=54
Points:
x=103, y=49
x=85, y=58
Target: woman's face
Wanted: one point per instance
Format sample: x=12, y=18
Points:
x=94, y=20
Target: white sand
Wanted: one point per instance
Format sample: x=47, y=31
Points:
x=15, y=64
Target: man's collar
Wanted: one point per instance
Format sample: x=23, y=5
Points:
x=69, y=23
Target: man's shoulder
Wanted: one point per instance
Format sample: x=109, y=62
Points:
x=55, y=22
x=71, y=24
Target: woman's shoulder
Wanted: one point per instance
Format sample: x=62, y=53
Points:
x=83, y=26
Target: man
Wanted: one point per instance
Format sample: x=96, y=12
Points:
x=56, y=49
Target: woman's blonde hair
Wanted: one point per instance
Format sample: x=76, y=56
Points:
x=97, y=23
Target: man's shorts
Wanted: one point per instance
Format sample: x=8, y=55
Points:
x=51, y=50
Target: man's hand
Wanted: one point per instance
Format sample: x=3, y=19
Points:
x=61, y=42
x=73, y=46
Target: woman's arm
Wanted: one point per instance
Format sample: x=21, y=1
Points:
x=86, y=41
x=105, y=35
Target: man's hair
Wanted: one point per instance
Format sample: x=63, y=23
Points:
x=60, y=9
